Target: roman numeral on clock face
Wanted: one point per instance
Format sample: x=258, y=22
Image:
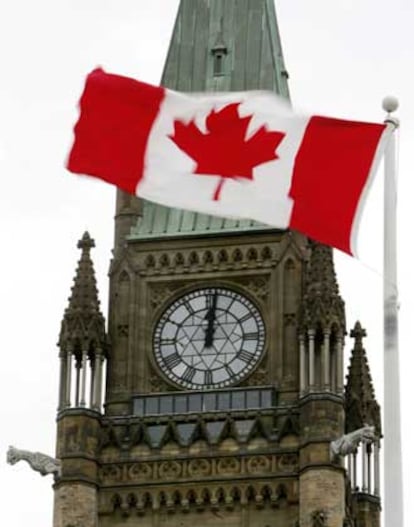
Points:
x=251, y=336
x=189, y=307
x=172, y=360
x=208, y=377
x=246, y=355
x=188, y=374
x=245, y=317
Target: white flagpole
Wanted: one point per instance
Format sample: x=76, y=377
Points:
x=393, y=485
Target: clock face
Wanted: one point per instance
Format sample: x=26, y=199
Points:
x=209, y=338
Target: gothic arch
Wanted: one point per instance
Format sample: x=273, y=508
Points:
x=266, y=253
x=208, y=257
x=193, y=258
x=222, y=256
x=252, y=254
x=179, y=259
x=164, y=261
x=237, y=255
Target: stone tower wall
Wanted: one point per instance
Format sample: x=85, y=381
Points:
x=321, y=491
x=75, y=505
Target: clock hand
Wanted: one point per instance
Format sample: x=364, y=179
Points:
x=210, y=317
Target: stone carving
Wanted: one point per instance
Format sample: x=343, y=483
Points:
x=140, y=472
x=164, y=260
x=156, y=383
x=266, y=253
x=258, y=286
x=37, y=461
x=214, y=497
x=259, y=377
x=319, y=519
x=228, y=465
x=159, y=295
x=199, y=467
x=170, y=469
x=258, y=464
x=348, y=443
x=111, y=472
x=123, y=330
x=288, y=463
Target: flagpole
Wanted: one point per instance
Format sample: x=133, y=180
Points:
x=393, y=485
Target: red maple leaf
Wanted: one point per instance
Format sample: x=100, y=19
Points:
x=223, y=150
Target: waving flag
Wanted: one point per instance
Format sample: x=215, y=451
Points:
x=241, y=155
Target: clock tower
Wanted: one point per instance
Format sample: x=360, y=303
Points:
x=214, y=393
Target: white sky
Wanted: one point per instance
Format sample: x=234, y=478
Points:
x=343, y=58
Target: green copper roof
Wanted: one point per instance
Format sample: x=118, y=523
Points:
x=217, y=45
x=246, y=33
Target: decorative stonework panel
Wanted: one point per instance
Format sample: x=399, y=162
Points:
x=198, y=468
x=259, y=464
x=140, y=471
x=212, y=259
x=196, y=498
x=288, y=463
x=228, y=465
x=159, y=294
x=260, y=377
x=170, y=469
x=156, y=383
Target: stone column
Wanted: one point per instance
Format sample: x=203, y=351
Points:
x=98, y=381
x=377, y=468
x=311, y=335
x=93, y=381
x=369, y=468
x=326, y=367
x=83, y=382
x=339, y=365
x=62, y=382
x=364, y=467
x=78, y=366
x=354, y=471
x=302, y=358
x=349, y=468
x=68, y=377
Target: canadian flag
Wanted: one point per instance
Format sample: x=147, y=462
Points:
x=240, y=155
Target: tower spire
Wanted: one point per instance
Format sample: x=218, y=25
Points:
x=82, y=334
x=83, y=323
x=248, y=34
x=322, y=304
x=321, y=325
x=216, y=45
x=361, y=407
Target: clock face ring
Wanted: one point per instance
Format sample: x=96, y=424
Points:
x=209, y=338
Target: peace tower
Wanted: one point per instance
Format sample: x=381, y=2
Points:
x=214, y=392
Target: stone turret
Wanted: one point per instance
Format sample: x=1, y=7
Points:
x=83, y=348
x=321, y=325
x=361, y=409
x=82, y=336
x=321, y=334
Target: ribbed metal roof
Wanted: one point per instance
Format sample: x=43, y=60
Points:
x=245, y=34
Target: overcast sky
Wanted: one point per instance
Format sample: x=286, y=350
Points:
x=343, y=57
